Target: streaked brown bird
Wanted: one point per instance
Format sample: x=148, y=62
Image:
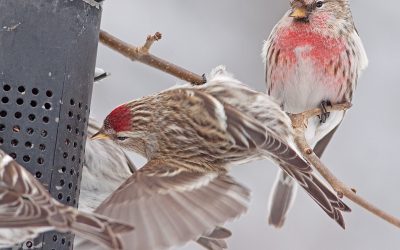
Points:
x=27, y=209
x=191, y=136
x=106, y=163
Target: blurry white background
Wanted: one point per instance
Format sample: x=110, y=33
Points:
x=200, y=35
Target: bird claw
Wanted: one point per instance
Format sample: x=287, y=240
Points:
x=325, y=114
x=204, y=78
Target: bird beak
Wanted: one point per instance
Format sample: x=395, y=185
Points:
x=299, y=13
x=99, y=136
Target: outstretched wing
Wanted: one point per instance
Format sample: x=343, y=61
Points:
x=22, y=198
x=25, y=205
x=170, y=206
x=248, y=132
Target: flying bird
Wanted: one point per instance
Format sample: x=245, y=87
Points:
x=190, y=136
x=27, y=209
x=106, y=163
x=313, y=57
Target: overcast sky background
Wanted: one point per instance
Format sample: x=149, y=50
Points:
x=200, y=35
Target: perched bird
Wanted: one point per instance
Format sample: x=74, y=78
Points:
x=27, y=209
x=191, y=136
x=313, y=58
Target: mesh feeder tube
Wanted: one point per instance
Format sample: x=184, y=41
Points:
x=47, y=60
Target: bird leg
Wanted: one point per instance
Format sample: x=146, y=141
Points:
x=325, y=114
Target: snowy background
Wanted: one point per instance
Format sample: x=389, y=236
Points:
x=200, y=35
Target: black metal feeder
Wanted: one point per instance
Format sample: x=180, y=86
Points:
x=47, y=60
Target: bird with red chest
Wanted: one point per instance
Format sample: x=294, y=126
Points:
x=190, y=136
x=313, y=57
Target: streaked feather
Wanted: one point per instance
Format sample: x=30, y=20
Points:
x=183, y=204
x=106, y=163
x=27, y=209
x=190, y=139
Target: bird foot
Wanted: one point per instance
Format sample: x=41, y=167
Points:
x=204, y=78
x=325, y=114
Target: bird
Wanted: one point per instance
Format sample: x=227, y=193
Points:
x=105, y=162
x=313, y=58
x=27, y=209
x=191, y=136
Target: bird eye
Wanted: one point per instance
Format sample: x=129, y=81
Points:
x=319, y=4
x=122, y=138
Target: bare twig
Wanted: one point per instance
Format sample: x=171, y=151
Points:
x=299, y=124
x=141, y=54
x=150, y=40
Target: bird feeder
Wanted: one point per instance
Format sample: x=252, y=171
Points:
x=47, y=60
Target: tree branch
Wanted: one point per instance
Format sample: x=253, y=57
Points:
x=142, y=54
x=299, y=122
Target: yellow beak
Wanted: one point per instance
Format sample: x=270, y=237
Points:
x=299, y=13
x=99, y=136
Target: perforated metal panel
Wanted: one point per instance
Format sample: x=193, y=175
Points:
x=47, y=58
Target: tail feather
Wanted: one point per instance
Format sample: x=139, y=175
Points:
x=320, y=193
x=219, y=233
x=215, y=240
x=299, y=169
x=281, y=199
x=212, y=244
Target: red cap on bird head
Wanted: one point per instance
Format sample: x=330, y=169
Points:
x=119, y=119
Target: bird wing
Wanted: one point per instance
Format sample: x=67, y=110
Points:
x=248, y=135
x=170, y=206
x=22, y=198
x=268, y=54
x=24, y=203
x=246, y=131
x=216, y=239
